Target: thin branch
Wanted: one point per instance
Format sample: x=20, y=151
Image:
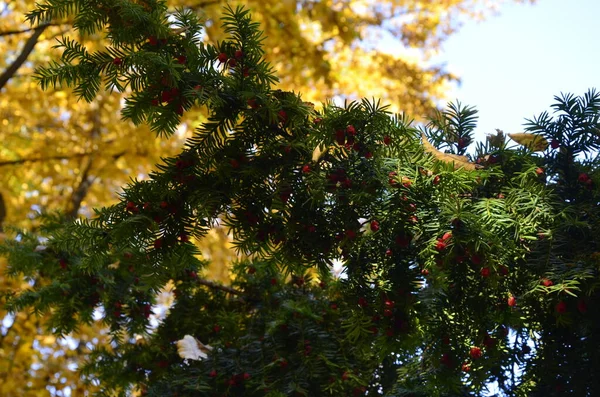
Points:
x=29, y=45
x=213, y=285
x=2, y=212
x=19, y=31
x=81, y=191
x=42, y=159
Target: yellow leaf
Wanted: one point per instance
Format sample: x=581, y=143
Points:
x=458, y=161
x=536, y=143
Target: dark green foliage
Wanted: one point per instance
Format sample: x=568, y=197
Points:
x=447, y=272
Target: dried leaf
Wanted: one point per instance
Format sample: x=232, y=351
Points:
x=537, y=143
x=459, y=161
x=190, y=348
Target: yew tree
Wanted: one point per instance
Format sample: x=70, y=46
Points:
x=460, y=270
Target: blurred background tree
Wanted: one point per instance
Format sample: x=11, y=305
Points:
x=59, y=153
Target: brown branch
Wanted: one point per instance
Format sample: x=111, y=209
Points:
x=81, y=191
x=2, y=212
x=213, y=285
x=27, y=48
x=19, y=31
x=42, y=159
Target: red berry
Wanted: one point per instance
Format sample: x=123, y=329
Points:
x=63, y=263
x=582, y=306
x=561, y=307
x=117, y=61
x=436, y=180
x=131, y=207
x=282, y=116
x=374, y=226
x=447, y=236
x=246, y=376
x=387, y=140
x=239, y=54
x=388, y=313
x=213, y=373
x=252, y=103
x=184, y=238
x=362, y=302
x=232, y=63
x=345, y=376
x=547, y=282
x=351, y=130
x=158, y=243
x=583, y=177
x=403, y=241
x=512, y=301
x=152, y=40
x=181, y=59
x=465, y=367
x=351, y=234
x=163, y=364
x=440, y=245
x=476, y=259
x=222, y=57
x=368, y=155
x=539, y=171
x=389, y=304
x=485, y=272
x=446, y=360
x=425, y=272
x=164, y=204
x=554, y=144
x=475, y=353
x=273, y=281
x=388, y=252
x=488, y=341
x=306, y=169
x=251, y=270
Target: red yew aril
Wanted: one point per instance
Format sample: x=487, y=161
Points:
x=222, y=57
x=374, y=225
x=512, y=301
x=475, y=353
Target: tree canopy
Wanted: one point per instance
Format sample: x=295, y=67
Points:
x=60, y=152
x=459, y=269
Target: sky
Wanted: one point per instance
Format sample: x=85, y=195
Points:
x=513, y=64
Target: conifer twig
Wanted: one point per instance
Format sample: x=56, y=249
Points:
x=212, y=284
